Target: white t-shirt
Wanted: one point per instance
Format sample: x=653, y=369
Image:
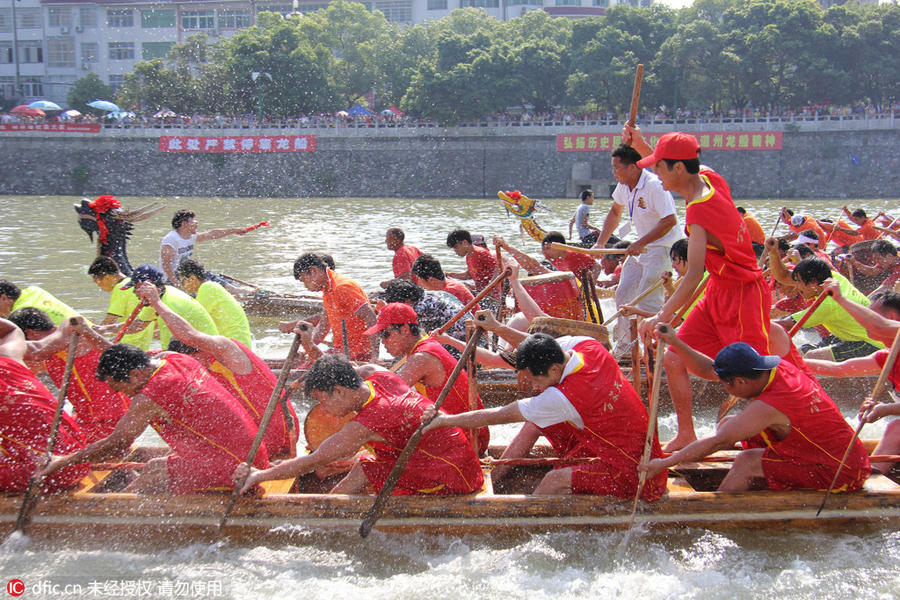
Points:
x=184, y=249
x=581, y=212
x=646, y=204
x=551, y=406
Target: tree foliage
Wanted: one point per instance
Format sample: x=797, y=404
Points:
x=87, y=89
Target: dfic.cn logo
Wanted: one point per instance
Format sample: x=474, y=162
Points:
x=15, y=587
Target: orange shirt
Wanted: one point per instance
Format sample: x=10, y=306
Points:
x=756, y=231
x=342, y=298
x=810, y=223
x=868, y=231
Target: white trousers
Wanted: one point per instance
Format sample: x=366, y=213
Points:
x=639, y=273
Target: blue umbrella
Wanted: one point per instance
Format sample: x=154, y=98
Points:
x=45, y=105
x=104, y=105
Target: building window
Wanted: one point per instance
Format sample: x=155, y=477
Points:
x=5, y=20
x=151, y=50
x=396, y=12
x=32, y=87
x=157, y=18
x=61, y=52
x=88, y=17
x=120, y=18
x=121, y=51
x=115, y=82
x=28, y=18
x=59, y=17
x=235, y=19
x=601, y=3
x=308, y=8
x=200, y=19
x=568, y=2
x=6, y=54
x=437, y=4
x=484, y=3
x=31, y=52
x=281, y=9
x=90, y=52
x=7, y=87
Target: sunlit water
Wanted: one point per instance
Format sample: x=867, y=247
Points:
x=41, y=244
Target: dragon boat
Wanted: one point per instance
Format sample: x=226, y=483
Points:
x=293, y=510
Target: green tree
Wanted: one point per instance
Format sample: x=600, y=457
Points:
x=87, y=89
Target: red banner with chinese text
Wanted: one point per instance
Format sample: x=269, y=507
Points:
x=709, y=140
x=76, y=127
x=238, y=143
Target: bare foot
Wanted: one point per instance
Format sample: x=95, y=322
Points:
x=681, y=440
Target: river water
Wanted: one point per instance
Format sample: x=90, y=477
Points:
x=41, y=244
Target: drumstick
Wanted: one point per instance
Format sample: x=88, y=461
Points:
x=591, y=251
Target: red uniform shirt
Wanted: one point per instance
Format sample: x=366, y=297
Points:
x=97, y=407
x=26, y=413
x=615, y=428
x=209, y=432
x=575, y=262
x=341, y=300
x=881, y=357
x=444, y=461
x=253, y=392
x=737, y=302
x=845, y=239
x=404, y=257
x=457, y=401
x=459, y=289
x=809, y=456
x=483, y=268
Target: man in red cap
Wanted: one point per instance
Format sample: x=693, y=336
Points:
x=737, y=302
x=428, y=364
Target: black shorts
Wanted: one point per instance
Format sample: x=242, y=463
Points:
x=846, y=350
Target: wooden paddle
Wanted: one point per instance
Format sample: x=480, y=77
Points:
x=833, y=229
x=263, y=426
x=765, y=252
x=344, y=339
x=34, y=484
x=809, y=311
x=636, y=95
x=637, y=299
x=129, y=321
x=879, y=388
x=697, y=293
x=465, y=309
x=591, y=251
x=651, y=425
x=384, y=495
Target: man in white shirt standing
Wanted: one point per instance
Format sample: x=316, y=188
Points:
x=178, y=245
x=586, y=233
x=651, y=210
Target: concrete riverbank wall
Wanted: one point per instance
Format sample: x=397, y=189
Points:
x=839, y=164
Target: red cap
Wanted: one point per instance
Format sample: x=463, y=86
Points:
x=396, y=313
x=674, y=146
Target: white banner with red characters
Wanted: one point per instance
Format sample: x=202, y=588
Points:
x=77, y=127
x=709, y=140
x=238, y=143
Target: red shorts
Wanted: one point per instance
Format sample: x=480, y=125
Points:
x=410, y=483
x=602, y=479
x=207, y=476
x=782, y=474
x=16, y=477
x=729, y=312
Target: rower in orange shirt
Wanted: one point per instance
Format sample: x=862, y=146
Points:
x=799, y=223
x=756, y=231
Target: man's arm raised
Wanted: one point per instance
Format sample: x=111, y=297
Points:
x=879, y=328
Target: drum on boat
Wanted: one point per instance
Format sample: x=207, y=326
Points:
x=557, y=294
x=560, y=327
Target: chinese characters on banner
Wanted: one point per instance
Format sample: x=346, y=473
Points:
x=77, y=127
x=709, y=140
x=246, y=144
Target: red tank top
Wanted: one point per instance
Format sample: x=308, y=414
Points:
x=26, y=413
x=97, y=407
x=444, y=455
x=615, y=420
x=253, y=392
x=717, y=214
x=819, y=433
x=205, y=422
x=457, y=400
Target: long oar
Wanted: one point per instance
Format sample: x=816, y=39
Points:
x=651, y=426
x=765, y=252
x=129, y=321
x=384, y=495
x=636, y=95
x=263, y=426
x=809, y=311
x=888, y=229
x=637, y=300
x=591, y=251
x=833, y=228
x=690, y=302
x=879, y=388
x=465, y=309
x=34, y=484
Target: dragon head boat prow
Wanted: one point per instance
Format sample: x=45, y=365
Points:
x=113, y=225
x=523, y=207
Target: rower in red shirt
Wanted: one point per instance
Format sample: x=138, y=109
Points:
x=562, y=260
x=428, y=275
x=738, y=300
x=404, y=254
x=208, y=431
x=388, y=413
x=803, y=432
x=97, y=407
x=481, y=265
x=26, y=414
x=584, y=406
x=241, y=372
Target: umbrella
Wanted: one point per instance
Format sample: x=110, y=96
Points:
x=342, y=113
x=45, y=105
x=163, y=113
x=387, y=111
x=70, y=114
x=25, y=110
x=121, y=114
x=104, y=105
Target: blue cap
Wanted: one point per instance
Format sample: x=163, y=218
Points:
x=146, y=273
x=740, y=358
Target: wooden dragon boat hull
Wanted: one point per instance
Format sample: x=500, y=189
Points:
x=281, y=307
x=282, y=514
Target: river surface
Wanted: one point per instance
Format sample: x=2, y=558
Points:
x=41, y=244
